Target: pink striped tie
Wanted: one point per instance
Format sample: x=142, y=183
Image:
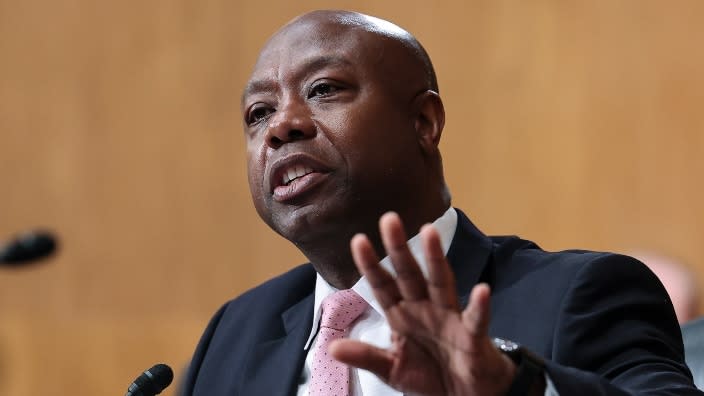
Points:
x=328, y=376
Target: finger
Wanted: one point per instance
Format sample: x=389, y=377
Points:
x=476, y=316
x=441, y=281
x=367, y=262
x=364, y=356
x=409, y=278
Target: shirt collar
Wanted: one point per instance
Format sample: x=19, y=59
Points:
x=446, y=225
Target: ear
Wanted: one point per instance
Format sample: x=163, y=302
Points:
x=430, y=120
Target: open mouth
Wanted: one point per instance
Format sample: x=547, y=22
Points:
x=296, y=176
x=294, y=173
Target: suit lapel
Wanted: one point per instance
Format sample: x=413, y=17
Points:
x=468, y=255
x=275, y=364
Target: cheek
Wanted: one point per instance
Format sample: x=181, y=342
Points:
x=372, y=131
x=255, y=174
x=256, y=189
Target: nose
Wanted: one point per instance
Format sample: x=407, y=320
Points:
x=291, y=122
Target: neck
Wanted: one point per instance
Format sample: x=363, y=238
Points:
x=331, y=255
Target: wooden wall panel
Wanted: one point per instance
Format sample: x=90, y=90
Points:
x=577, y=124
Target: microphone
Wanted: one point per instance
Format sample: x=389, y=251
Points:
x=152, y=381
x=27, y=247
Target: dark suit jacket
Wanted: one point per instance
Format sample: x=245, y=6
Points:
x=603, y=322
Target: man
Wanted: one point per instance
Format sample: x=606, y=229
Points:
x=342, y=122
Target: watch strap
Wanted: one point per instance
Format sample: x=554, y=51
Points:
x=529, y=369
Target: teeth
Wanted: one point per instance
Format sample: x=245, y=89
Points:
x=291, y=174
x=295, y=172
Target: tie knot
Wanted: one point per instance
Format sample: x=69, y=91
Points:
x=341, y=308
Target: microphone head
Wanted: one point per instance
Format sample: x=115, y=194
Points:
x=27, y=247
x=152, y=381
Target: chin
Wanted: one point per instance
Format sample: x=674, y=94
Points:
x=296, y=223
x=308, y=224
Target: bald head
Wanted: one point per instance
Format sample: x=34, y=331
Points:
x=679, y=281
x=343, y=22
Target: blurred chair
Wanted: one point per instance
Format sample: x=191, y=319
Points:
x=693, y=336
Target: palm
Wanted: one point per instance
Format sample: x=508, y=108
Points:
x=436, y=349
x=417, y=359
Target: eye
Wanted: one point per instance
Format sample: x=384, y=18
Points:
x=257, y=113
x=322, y=89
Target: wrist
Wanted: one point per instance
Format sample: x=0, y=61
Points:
x=538, y=388
x=529, y=377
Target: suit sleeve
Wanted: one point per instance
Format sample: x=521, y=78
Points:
x=617, y=334
x=202, y=348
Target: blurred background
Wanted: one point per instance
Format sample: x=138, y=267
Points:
x=572, y=123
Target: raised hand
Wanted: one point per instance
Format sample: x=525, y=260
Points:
x=436, y=349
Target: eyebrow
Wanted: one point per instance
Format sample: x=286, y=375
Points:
x=258, y=86
x=309, y=66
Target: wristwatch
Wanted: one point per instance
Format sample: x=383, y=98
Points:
x=529, y=366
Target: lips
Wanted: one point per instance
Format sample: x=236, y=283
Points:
x=294, y=175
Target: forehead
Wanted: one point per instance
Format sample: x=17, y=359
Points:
x=307, y=47
x=304, y=43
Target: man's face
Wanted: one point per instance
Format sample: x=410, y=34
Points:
x=329, y=129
